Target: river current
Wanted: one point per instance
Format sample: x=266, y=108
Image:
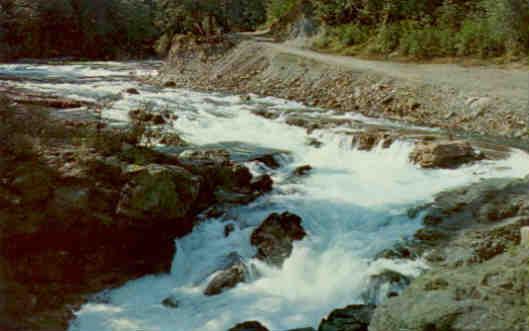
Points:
x=354, y=204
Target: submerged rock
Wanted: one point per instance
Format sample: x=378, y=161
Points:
x=443, y=154
x=275, y=236
x=350, y=318
x=158, y=191
x=171, y=302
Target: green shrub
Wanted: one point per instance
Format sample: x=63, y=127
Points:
x=386, y=40
x=426, y=41
x=278, y=8
x=477, y=38
x=351, y=34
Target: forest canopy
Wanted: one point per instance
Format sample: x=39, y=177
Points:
x=131, y=28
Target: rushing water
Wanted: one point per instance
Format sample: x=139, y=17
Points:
x=354, y=204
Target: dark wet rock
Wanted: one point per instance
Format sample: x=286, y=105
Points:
x=49, y=101
x=249, y=326
x=366, y=141
x=202, y=157
x=240, y=152
x=169, y=84
x=233, y=197
x=312, y=123
x=263, y=183
x=302, y=170
x=140, y=115
x=350, y=318
x=387, y=283
x=233, y=273
x=266, y=113
x=32, y=182
x=132, y=91
x=228, y=229
x=314, y=142
x=171, y=302
x=158, y=119
x=275, y=236
x=269, y=160
x=172, y=139
x=147, y=117
x=443, y=154
x=429, y=234
x=158, y=191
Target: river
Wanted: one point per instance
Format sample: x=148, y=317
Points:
x=353, y=204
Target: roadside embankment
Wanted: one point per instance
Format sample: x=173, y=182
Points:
x=478, y=100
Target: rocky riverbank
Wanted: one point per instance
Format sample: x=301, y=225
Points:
x=266, y=70
x=85, y=207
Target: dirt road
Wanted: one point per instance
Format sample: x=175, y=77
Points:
x=510, y=84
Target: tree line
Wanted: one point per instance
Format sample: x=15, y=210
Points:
x=427, y=28
x=114, y=28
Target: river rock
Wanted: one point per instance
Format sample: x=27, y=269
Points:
x=171, y=302
x=268, y=160
x=387, y=283
x=232, y=274
x=350, y=318
x=302, y=170
x=275, y=236
x=158, y=191
x=228, y=229
x=443, y=154
x=366, y=141
x=132, y=91
x=201, y=157
x=263, y=183
x=170, y=84
x=172, y=139
x=249, y=326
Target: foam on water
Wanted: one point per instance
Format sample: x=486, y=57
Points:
x=354, y=204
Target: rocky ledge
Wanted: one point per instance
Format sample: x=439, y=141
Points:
x=84, y=207
x=479, y=276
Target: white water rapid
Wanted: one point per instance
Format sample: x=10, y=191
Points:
x=353, y=204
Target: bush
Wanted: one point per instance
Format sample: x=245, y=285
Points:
x=351, y=34
x=278, y=8
x=386, y=40
x=426, y=41
x=476, y=38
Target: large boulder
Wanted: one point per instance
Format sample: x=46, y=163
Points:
x=275, y=236
x=158, y=191
x=443, y=154
x=350, y=318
